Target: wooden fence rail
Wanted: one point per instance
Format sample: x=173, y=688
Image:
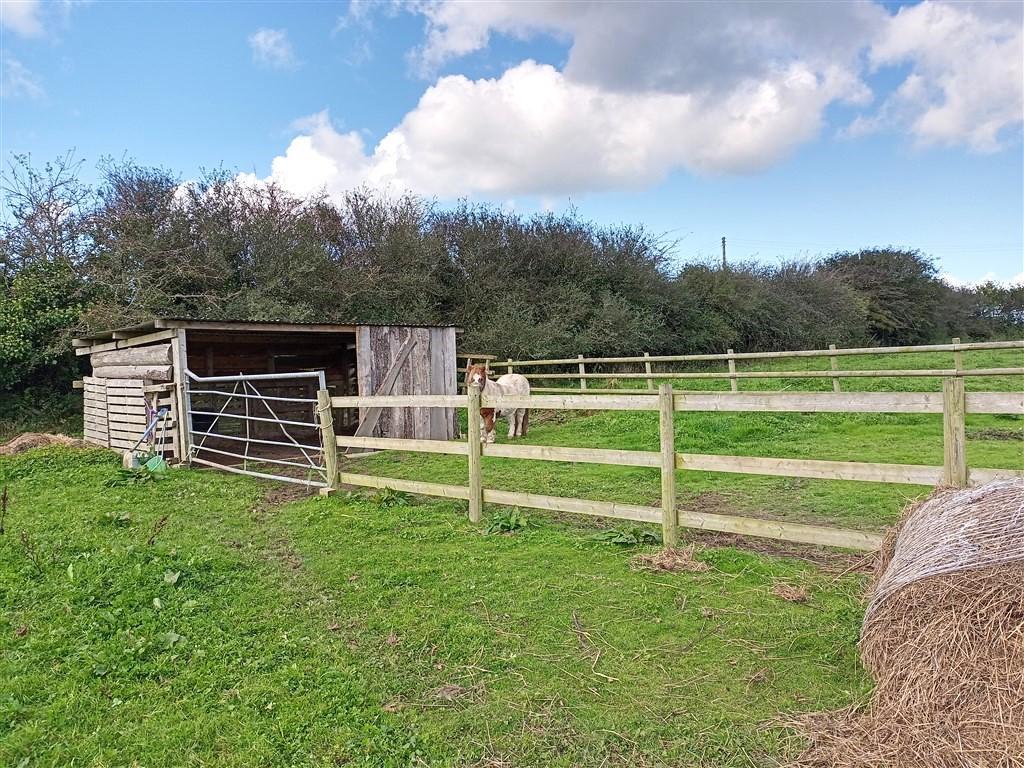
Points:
x=953, y=403
x=577, y=366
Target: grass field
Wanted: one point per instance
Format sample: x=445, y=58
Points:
x=352, y=632
x=210, y=620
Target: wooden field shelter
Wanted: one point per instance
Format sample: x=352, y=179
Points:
x=190, y=366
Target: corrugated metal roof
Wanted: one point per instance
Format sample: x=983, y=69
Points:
x=197, y=323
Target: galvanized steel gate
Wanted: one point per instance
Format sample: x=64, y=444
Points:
x=252, y=424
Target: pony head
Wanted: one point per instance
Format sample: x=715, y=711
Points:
x=476, y=374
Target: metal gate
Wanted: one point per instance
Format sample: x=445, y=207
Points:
x=263, y=425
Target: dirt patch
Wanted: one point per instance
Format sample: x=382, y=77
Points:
x=675, y=560
x=29, y=440
x=824, y=558
x=995, y=433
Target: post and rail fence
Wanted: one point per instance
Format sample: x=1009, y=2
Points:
x=953, y=403
x=734, y=376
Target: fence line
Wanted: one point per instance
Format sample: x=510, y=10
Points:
x=953, y=403
x=733, y=376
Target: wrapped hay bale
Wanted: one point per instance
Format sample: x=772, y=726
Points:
x=943, y=638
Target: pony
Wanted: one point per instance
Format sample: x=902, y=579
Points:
x=509, y=384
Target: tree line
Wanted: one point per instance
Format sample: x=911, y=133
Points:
x=76, y=257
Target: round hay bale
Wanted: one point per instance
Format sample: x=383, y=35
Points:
x=943, y=638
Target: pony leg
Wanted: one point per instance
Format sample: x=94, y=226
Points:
x=512, y=415
x=524, y=422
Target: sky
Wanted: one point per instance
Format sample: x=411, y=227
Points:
x=793, y=129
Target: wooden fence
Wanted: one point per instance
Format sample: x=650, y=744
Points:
x=953, y=403
x=734, y=376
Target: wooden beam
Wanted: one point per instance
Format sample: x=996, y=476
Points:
x=878, y=374
x=454, y=448
x=153, y=354
x=473, y=434
x=1015, y=344
x=995, y=402
x=399, y=401
x=954, y=437
x=409, y=486
x=372, y=415
x=909, y=474
x=667, y=436
x=149, y=372
x=325, y=417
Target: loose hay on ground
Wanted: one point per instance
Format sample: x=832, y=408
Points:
x=946, y=652
x=670, y=559
x=29, y=440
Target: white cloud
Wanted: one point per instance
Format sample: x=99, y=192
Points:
x=967, y=80
x=988, y=277
x=17, y=80
x=22, y=16
x=533, y=131
x=650, y=88
x=271, y=48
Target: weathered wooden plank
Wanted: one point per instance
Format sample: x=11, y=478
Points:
x=911, y=474
x=146, y=338
x=409, y=486
x=813, y=402
x=325, y=417
x=611, y=509
x=577, y=455
x=399, y=444
x=954, y=435
x=153, y=354
x=667, y=436
x=474, y=427
x=995, y=402
x=877, y=374
x=399, y=401
x=574, y=402
x=772, y=529
x=152, y=372
x=981, y=476
x=1015, y=344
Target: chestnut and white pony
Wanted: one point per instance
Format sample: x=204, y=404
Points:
x=509, y=384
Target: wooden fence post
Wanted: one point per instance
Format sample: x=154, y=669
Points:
x=508, y=367
x=667, y=435
x=583, y=370
x=647, y=368
x=474, y=452
x=954, y=437
x=733, y=383
x=958, y=356
x=325, y=417
x=834, y=361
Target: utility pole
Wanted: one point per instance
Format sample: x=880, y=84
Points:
x=723, y=254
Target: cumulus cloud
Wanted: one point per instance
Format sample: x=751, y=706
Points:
x=646, y=89
x=272, y=48
x=967, y=73
x=22, y=16
x=17, y=81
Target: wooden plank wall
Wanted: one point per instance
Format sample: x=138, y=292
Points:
x=430, y=369
x=95, y=411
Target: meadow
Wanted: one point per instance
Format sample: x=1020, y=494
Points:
x=204, y=619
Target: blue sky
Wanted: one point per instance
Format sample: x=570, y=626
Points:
x=791, y=129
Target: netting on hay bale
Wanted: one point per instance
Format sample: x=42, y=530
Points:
x=943, y=638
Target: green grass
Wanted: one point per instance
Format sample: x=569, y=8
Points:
x=346, y=632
